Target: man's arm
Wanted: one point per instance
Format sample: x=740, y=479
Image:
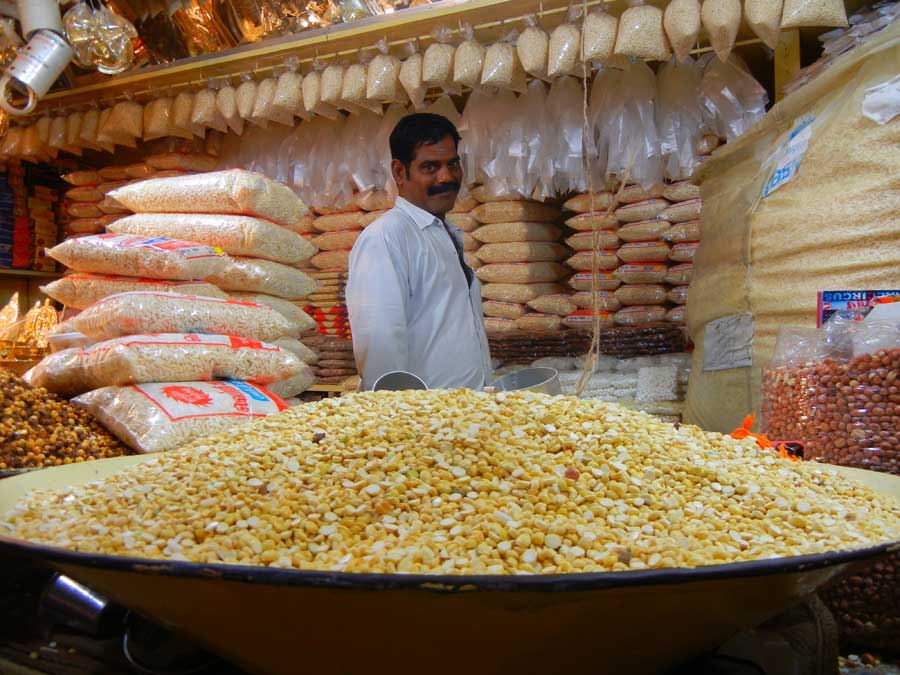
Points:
x=376, y=299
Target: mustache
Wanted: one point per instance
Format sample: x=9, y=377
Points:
x=435, y=190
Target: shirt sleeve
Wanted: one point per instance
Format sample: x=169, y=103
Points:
x=377, y=295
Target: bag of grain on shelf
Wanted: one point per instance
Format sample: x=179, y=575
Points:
x=679, y=275
x=515, y=211
x=814, y=13
x=654, y=273
x=473, y=261
x=597, y=220
x=156, y=258
x=677, y=315
x=682, y=23
x=383, y=83
x=80, y=291
x=232, y=192
x=82, y=178
x=298, y=320
x=586, y=203
x=84, y=210
x=641, y=34
x=639, y=315
x=437, y=65
x=681, y=192
x=584, y=320
x=148, y=312
x=648, y=230
x=498, y=233
x=327, y=260
x=165, y=416
x=521, y=252
x=295, y=385
x=338, y=222
x=684, y=252
x=521, y=273
x=374, y=200
x=603, y=300
x=764, y=19
x=502, y=67
x=678, y=295
x=494, y=326
x=533, y=47
x=300, y=350
x=604, y=281
x=87, y=225
x=647, y=210
x=502, y=310
x=536, y=322
x=341, y=240
x=464, y=221
x=411, y=76
x=236, y=235
x=587, y=241
x=689, y=231
x=641, y=294
x=254, y=275
x=468, y=61
x=558, y=304
x=519, y=293
x=586, y=261
x=644, y=252
x=599, y=41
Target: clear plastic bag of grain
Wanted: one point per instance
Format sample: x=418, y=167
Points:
x=689, y=231
x=641, y=294
x=332, y=82
x=814, y=13
x=520, y=293
x=558, y=304
x=437, y=64
x=268, y=95
x=383, y=84
x=295, y=385
x=157, y=121
x=182, y=108
x=641, y=34
x=516, y=211
x=235, y=235
x=524, y=251
x=604, y=281
x=588, y=203
x=124, y=125
x=684, y=252
x=565, y=45
x=411, y=76
x=585, y=319
x=502, y=310
x=468, y=60
x=140, y=312
x=226, y=102
x=262, y=103
x=299, y=321
x=263, y=276
x=288, y=98
x=81, y=290
x=165, y=416
x=639, y=315
x=516, y=231
x=640, y=211
x=536, y=322
x=647, y=230
x=312, y=93
x=152, y=258
x=644, y=252
x=588, y=241
x=599, y=35
x=521, y=273
x=653, y=273
x=722, y=21
x=681, y=192
x=682, y=212
x=682, y=21
x=245, y=96
x=205, y=114
x=764, y=19
x=601, y=300
x=679, y=275
x=533, y=48
x=586, y=261
x=502, y=68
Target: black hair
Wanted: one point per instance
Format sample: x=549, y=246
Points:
x=419, y=129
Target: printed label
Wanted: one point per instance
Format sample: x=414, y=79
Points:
x=728, y=343
x=187, y=249
x=861, y=302
x=790, y=154
x=602, y=276
x=643, y=244
x=227, y=398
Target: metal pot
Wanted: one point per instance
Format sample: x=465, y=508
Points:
x=543, y=380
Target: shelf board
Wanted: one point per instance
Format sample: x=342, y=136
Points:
x=33, y=274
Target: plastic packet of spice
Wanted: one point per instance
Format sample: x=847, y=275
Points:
x=468, y=61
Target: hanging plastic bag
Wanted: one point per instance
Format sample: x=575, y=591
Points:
x=732, y=99
x=764, y=19
x=600, y=30
x=312, y=93
x=353, y=87
x=437, y=65
x=468, y=61
x=722, y=21
x=565, y=102
x=533, y=48
x=682, y=22
x=182, y=108
x=226, y=102
x=288, y=99
x=73, y=133
x=502, y=68
x=58, y=132
x=411, y=76
x=124, y=125
x=679, y=117
x=815, y=13
x=641, y=34
x=384, y=82
x=262, y=103
x=246, y=96
x=87, y=133
x=565, y=44
x=205, y=113
x=332, y=81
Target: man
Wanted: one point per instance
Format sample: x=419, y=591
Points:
x=415, y=305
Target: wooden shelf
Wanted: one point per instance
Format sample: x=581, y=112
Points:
x=33, y=274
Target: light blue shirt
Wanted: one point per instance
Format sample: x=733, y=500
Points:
x=411, y=307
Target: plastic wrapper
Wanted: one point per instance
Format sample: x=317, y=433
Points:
x=537, y=322
x=87, y=133
x=516, y=231
x=263, y=276
x=565, y=45
x=156, y=258
x=681, y=192
x=599, y=41
x=644, y=251
x=764, y=19
x=157, y=122
x=641, y=33
x=689, y=231
x=586, y=261
x=124, y=125
x=468, y=60
x=206, y=114
x=639, y=315
x=521, y=273
x=411, y=77
x=312, y=93
x=678, y=295
x=93, y=225
x=587, y=203
x=565, y=116
x=226, y=102
x=81, y=290
x=588, y=241
x=605, y=301
x=159, y=417
x=682, y=23
x=288, y=99
x=585, y=320
x=684, y=252
x=680, y=274
x=228, y=192
x=521, y=252
x=648, y=230
x=722, y=21
x=295, y=385
x=507, y=212
x=682, y=212
x=503, y=310
x=732, y=100
x=652, y=273
x=502, y=68
x=680, y=117
x=182, y=107
x=519, y=293
x=640, y=211
x=245, y=96
x=179, y=161
x=73, y=133
x=261, y=113
x=437, y=64
x=58, y=133
x=383, y=83
x=558, y=304
x=677, y=315
x=641, y=294
x=533, y=48
x=814, y=13
x=603, y=281
x=82, y=178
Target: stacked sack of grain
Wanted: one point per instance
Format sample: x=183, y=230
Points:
x=684, y=238
x=328, y=305
x=462, y=217
x=336, y=364
x=520, y=258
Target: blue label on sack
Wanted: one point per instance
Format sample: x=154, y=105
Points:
x=790, y=154
x=248, y=389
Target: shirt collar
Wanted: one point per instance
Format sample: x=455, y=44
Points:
x=421, y=217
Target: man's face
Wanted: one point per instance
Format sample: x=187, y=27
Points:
x=434, y=177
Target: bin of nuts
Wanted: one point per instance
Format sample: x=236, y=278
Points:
x=841, y=397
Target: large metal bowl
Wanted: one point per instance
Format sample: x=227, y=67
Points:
x=543, y=380
x=282, y=621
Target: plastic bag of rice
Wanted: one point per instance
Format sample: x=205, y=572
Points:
x=558, y=304
x=299, y=321
x=110, y=207
x=464, y=221
x=87, y=225
x=473, y=261
x=585, y=241
x=641, y=294
x=468, y=61
x=678, y=295
x=588, y=222
x=338, y=222
x=327, y=260
x=411, y=77
x=82, y=178
x=682, y=211
x=153, y=258
x=533, y=48
x=584, y=261
x=521, y=273
x=235, y=192
x=164, y=416
x=647, y=210
x=502, y=310
x=226, y=102
x=471, y=244
x=599, y=30
x=383, y=83
x=587, y=203
x=641, y=33
x=502, y=67
x=722, y=21
x=80, y=291
x=682, y=23
x=342, y=240
x=525, y=251
x=584, y=320
x=179, y=161
x=264, y=276
x=236, y=235
x=515, y=211
x=638, y=315
x=300, y=350
x=494, y=326
x=689, y=231
x=644, y=251
x=684, y=252
x=374, y=200
x=84, y=210
x=814, y=13
x=632, y=194
x=498, y=233
x=764, y=19
x=205, y=114
x=604, y=281
x=606, y=301
x=648, y=230
x=539, y=322
x=148, y=312
x=295, y=385
x=680, y=275
x=681, y=192
x=642, y=274
x=520, y=293
x=677, y=314
x=85, y=193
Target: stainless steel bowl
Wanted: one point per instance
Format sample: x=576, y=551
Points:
x=543, y=380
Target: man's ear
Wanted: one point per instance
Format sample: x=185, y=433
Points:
x=398, y=170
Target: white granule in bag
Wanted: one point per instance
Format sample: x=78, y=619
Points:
x=533, y=49
x=588, y=241
x=295, y=385
x=639, y=315
x=147, y=312
x=682, y=23
x=657, y=383
x=604, y=281
x=205, y=114
x=814, y=13
x=84, y=210
x=644, y=251
x=641, y=33
x=341, y=240
x=599, y=41
x=411, y=79
x=641, y=294
x=558, y=304
x=164, y=416
x=288, y=99
x=338, y=260
x=636, y=193
x=235, y=192
x=521, y=273
x=82, y=178
x=468, y=62
x=94, y=225
x=353, y=88
x=722, y=21
x=647, y=230
x=494, y=326
x=236, y=235
x=681, y=192
x=264, y=276
x=502, y=67
x=226, y=102
x=300, y=350
x=470, y=243
x=565, y=46
x=505, y=232
x=515, y=211
x=181, y=115
x=80, y=291
x=678, y=295
x=502, y=310
x=539, y=322
x=472, y=261
x=648, y=210
x=374, y=200
x=597, y=220
x=585, y=260
x=338, y=222
x=682, y=211
x=587, y=203
x=521, y=252
x=299, y=321
x=764, y=19
x=156, y=258
x=85, y=193
x=519, y=293
x=383, y=84
x=642, y=274
x=605, y=301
